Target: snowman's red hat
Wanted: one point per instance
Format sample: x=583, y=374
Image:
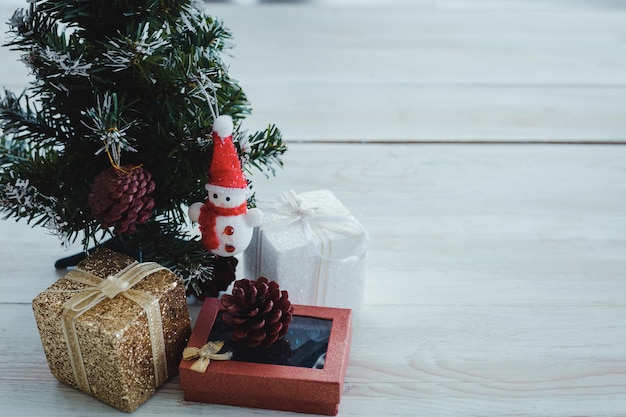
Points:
x=225, y=173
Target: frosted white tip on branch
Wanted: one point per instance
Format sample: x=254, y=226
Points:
x=105, y=124
x=24, y=198
x=19, y=19
x=125, y=51
x=67, y=65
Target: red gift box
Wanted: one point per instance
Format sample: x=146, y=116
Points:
x=276, y=387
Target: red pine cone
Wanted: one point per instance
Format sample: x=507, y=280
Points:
x=259, y=310
x=120, y=198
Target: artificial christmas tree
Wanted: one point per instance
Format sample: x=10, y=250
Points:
x=113, y=138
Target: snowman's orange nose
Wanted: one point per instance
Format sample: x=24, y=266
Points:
x=229, y=230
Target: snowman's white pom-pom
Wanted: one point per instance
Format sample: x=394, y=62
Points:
x=223, y=126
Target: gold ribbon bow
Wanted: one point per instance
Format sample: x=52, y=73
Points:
x=205, y=354
x=98, y=290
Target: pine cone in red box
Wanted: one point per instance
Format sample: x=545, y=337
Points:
x=259, y=310
x=120, y=197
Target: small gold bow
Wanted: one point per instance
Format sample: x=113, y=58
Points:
x=205, y=354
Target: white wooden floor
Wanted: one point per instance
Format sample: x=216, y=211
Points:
x=481, y=144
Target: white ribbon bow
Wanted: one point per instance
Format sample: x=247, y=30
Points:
x=332, y=219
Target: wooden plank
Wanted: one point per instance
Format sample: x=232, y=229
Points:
x=442, y=74
x=485, y=5
x=27, y=256
x=495, y=272
x=404, y=112
x=435, y=71
x=491, y=224
x=467, y=219
x=441, y=360
x=410, y=45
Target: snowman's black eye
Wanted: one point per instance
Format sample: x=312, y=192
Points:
x=227, y=198
x=215, y=196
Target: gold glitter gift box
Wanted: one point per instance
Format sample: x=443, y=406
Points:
x=114, y=328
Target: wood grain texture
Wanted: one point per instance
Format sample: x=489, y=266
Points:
x=442, y=71
x=494, y=284
x=495, y=273
x=425, y=70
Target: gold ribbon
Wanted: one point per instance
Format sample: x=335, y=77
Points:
x=205, y=354
x=98, y=290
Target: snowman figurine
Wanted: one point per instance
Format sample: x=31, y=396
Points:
x=226, y=224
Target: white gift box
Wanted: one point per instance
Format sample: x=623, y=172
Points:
x=313, y=247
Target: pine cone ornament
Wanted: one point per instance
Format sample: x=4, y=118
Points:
x=120, y=198
x=259, y=310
